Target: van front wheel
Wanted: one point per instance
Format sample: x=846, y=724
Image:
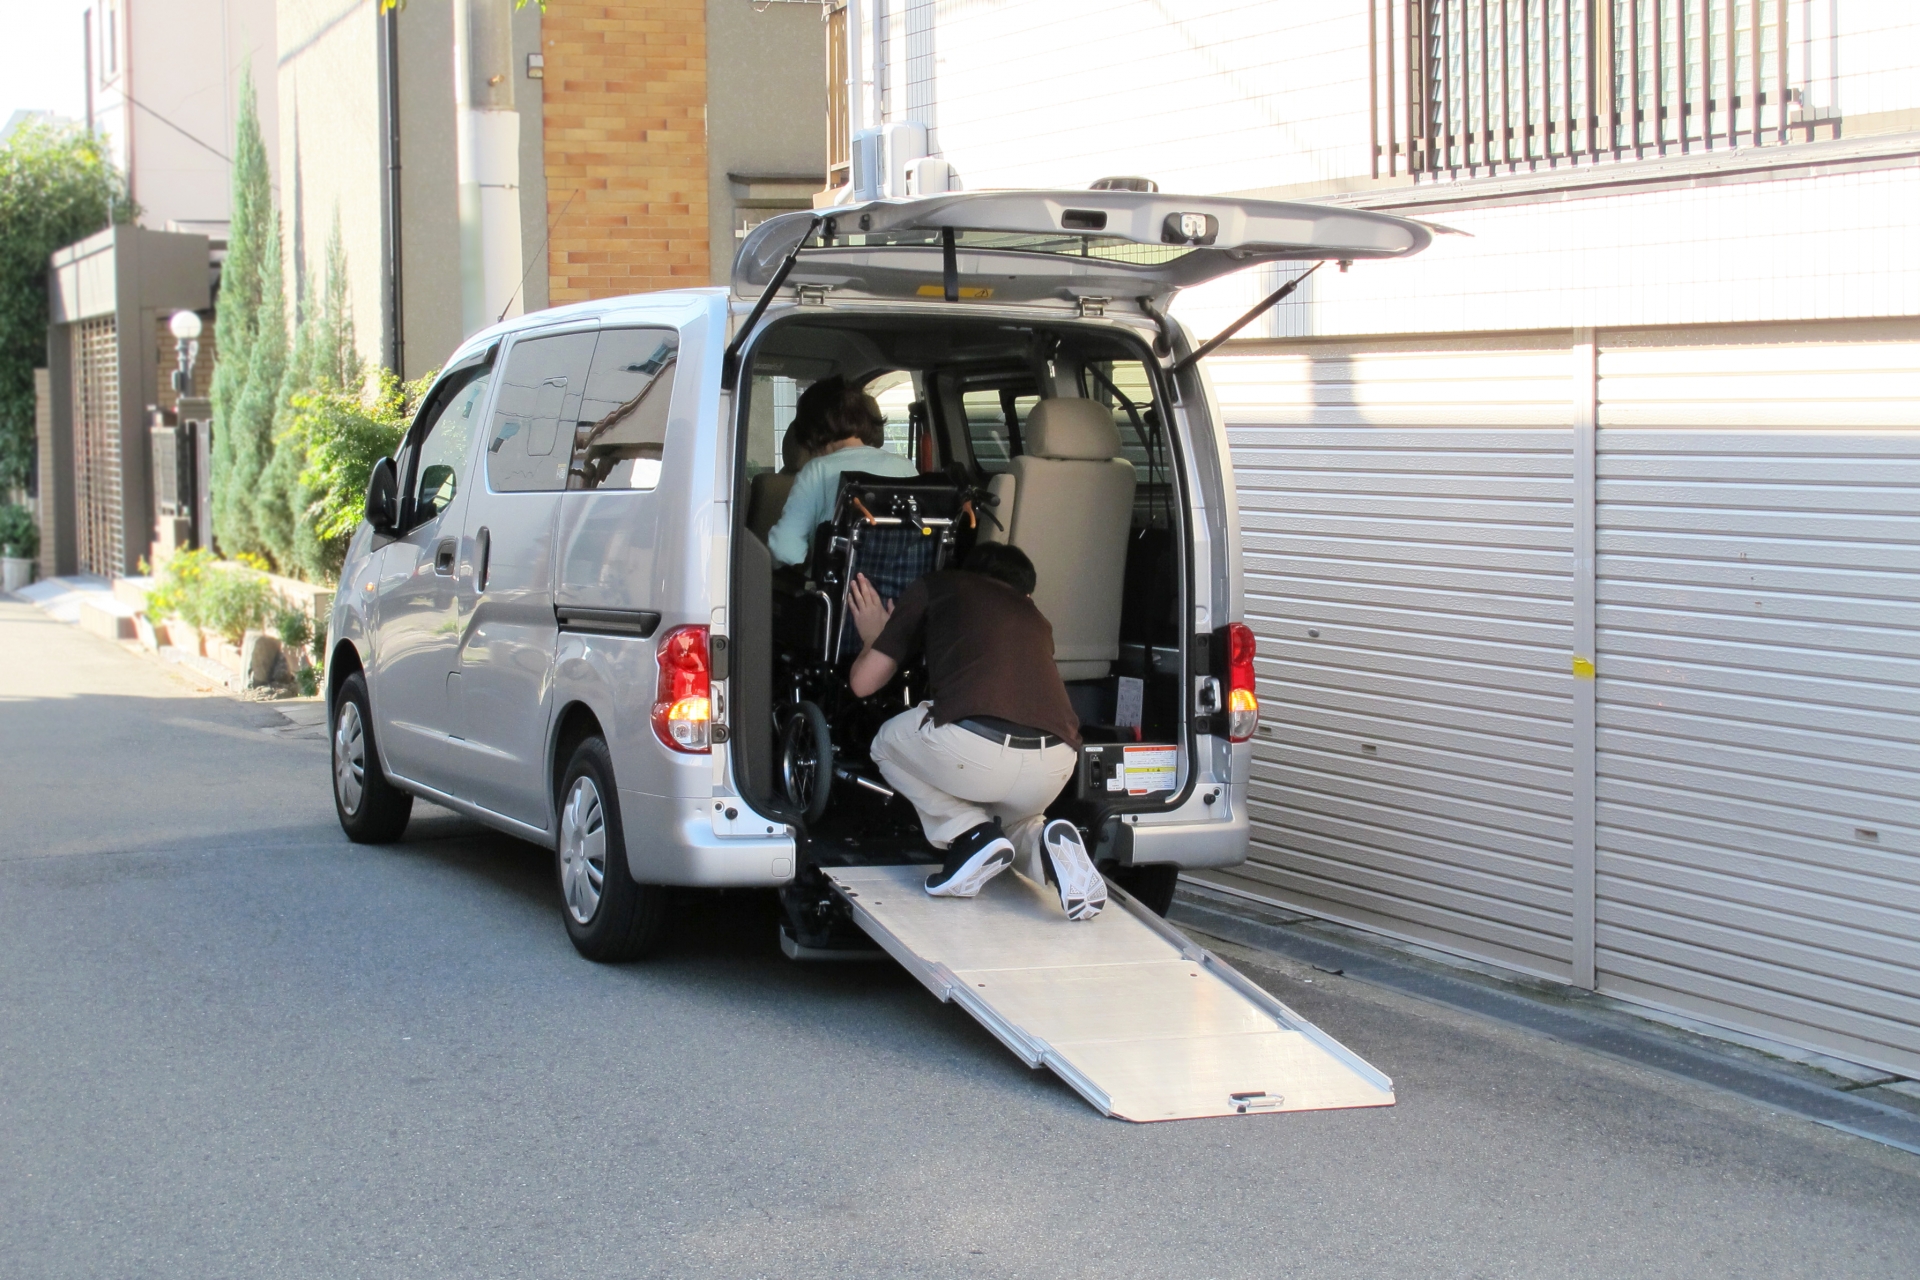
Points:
x=371, y=809
x=609, y=917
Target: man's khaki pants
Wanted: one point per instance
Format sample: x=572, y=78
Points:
x=958, y=780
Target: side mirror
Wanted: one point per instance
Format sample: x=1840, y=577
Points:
x=383, y=497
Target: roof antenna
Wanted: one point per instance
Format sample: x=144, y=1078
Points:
x=537, y=257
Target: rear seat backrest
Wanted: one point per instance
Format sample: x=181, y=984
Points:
x=1068, y=503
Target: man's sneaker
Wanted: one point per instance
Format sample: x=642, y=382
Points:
x=1082, y=890
x=977, y=856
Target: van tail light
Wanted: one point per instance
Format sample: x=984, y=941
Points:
x=682, y=705
x=1243, y=704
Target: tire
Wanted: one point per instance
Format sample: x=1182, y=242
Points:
x=806, y=760
x=1152, y=884
x=372, y=810
x=610, y=918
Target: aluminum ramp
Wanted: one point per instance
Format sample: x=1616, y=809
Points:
x=1143, y=1023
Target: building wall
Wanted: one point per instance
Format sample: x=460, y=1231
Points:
x=764, y=118
x=182, y=61
x=625, y=137
x=330, y=158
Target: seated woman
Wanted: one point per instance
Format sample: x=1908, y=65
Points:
x=852, y=439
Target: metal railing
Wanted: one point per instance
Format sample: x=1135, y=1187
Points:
x=1463, y=88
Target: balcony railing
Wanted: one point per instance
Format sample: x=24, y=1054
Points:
x=1463, y=88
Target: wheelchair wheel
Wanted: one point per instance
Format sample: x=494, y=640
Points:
x=806, y=760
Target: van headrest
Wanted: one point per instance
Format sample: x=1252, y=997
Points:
x=1070, y=427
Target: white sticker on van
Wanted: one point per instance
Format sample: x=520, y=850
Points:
x=1151, y=769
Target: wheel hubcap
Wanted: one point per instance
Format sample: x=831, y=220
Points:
x=583, y=850
x=349, y=757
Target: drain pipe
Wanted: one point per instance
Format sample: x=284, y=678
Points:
x=487, y=134
x=390, y=77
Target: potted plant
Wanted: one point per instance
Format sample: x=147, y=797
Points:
x=19, y=544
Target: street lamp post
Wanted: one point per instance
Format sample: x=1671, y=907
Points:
x=186, y=342
x=194, y=414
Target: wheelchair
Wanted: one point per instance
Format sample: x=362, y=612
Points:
x=893, y=530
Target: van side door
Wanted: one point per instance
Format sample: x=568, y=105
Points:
x=417, y=628
x=503, y=684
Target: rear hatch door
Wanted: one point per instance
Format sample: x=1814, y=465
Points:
x=1032, y=246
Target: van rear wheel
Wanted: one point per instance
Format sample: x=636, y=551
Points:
x=371, y=809
x=609, y=916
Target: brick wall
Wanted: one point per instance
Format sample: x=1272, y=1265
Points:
x=625, y=126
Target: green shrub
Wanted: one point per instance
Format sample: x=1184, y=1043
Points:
x=295, y=628
x=237, y=601
x=342, y=434
x=179, y=593
x=19, y=536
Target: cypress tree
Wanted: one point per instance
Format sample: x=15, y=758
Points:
x=324, y=359
x=259, y=401
x=236, y=324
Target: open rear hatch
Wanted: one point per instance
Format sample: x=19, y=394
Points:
x=1031, y=246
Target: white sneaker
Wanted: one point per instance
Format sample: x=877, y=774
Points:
x=977, y=856
x=1083, y=892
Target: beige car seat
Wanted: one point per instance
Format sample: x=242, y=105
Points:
x=1068, y=503
x=766, y=499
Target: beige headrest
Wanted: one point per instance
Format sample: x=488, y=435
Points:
x=1072, y=428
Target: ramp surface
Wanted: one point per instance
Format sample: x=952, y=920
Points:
x=1143, y=1023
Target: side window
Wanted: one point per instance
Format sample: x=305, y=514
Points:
x=443, y=450
x=995, y=416
x=539, y=393
x=621, y=428
x=770, y=412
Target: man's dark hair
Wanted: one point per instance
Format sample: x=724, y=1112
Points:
x=1002, y=563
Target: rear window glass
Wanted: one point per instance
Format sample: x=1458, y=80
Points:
x=621, y=430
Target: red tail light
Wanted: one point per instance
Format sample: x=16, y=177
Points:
x=682, y=711
x=1243, y=704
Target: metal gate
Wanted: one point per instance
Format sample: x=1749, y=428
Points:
x=1406, y=517
x=1757, y=837
x=99, y=513
x=1447, y=541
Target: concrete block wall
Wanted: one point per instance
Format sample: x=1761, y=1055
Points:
x=625, y=126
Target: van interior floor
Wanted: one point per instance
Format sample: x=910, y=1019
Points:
x=1139, y=1020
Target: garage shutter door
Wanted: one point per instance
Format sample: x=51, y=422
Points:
x=1406, y=514
x=1757, y=837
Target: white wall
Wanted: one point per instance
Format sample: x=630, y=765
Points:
x=330, y=154
x=177, y=73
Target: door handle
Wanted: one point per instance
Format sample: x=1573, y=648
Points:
x=482, y=555
x=443, y=555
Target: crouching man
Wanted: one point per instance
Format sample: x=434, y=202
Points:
x=985, y=756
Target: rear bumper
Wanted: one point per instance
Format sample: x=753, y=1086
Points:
x=670, y=840
x=1192, y=836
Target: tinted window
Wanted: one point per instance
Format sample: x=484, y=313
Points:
x=443, y=450
x=621, y=428
x=539, y=392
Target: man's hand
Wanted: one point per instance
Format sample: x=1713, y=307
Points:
x=870, y=612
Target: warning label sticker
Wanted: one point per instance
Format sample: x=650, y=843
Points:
x=1151, y=769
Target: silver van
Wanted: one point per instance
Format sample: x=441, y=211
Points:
x=561, y=616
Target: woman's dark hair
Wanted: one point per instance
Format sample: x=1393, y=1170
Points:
x=855, y=413
x=1002, y=563
x=809, y=423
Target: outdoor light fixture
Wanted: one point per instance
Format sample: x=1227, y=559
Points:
x=186, y=341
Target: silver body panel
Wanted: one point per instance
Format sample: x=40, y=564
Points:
x=1141, y=1022
x=667, y=551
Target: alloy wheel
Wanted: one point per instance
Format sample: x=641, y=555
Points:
x=583, y=850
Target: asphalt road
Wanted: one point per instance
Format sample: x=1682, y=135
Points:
x=233, y=1044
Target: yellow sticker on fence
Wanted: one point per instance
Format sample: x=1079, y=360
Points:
x=1582, y=667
